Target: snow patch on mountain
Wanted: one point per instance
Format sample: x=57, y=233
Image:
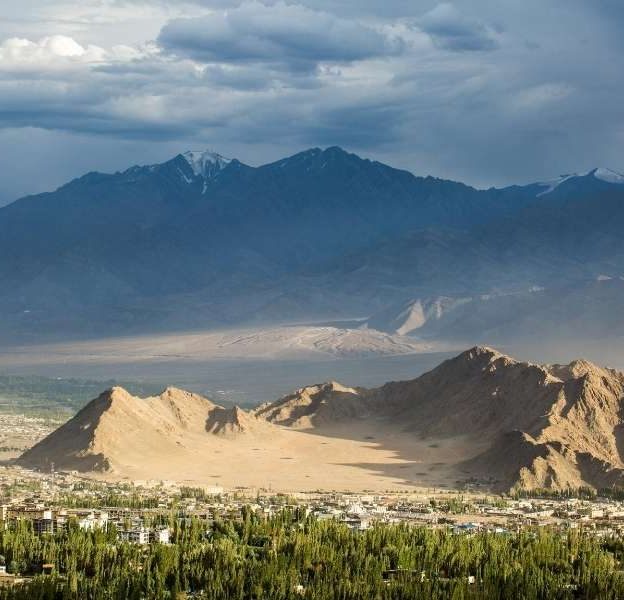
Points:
x=609, y=176
x=552, y=184
x=601, y=173
x=185, y=176
x=205, y=163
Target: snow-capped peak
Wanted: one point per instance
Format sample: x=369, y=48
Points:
x=601, y=173
x=205, y=163
x=608, y=175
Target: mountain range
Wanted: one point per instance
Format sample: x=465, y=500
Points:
x=201, y=241
x=481, y=416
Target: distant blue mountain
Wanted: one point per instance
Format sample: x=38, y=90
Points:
x=202, y=240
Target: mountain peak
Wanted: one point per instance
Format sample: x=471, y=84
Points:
x=316, y=151
x=316, y=158
x=205, y=163
x=335, y=150
x=116, y=395
x=235, y=420
x=600, y=173
x=480, y=351
x=474, y=361
x=309, y=406
x=607, y=175
x=577, y=369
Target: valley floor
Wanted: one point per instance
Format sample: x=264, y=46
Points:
x=245, y=367
x=346, y=458
x=20, y=432
x=278, y=342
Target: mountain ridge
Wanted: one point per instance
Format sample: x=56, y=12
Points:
x=196, y=159
x=323, y=234
x=523, y=424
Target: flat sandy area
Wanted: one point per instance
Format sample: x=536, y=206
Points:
x=289, y=460
x=286, y=341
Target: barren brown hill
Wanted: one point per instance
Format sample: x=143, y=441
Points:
x=117, y=430
x=547, y=425
x=578, y=440
x=480, y=414
x=313, y=406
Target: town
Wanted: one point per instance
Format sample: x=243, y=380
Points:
x=140, y=510
x=151, y=514
x=50, y=500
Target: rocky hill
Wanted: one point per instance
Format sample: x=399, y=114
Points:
x=512, y=423
x=547, y=425
x=314, y=406
x=117, y=430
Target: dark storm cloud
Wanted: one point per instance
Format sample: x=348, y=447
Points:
x=293, y=35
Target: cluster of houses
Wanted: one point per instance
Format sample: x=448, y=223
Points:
x=465, y=515
x=46, y=520
x=37, y=498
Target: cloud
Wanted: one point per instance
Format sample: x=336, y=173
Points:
x=58, y=53
x=20, y=52
x=280, y=33
x=451, y=30
x=399, y=81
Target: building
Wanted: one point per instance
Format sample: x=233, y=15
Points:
x=143, y=535
x=137, y=535
x=90, y=519
x=45, y=525
x=159, y=536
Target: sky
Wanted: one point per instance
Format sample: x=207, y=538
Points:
x=489, y=92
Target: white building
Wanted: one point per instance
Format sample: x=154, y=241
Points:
x=142, y=535
x=92, y=520
x=160, y=536
x=139, y=535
